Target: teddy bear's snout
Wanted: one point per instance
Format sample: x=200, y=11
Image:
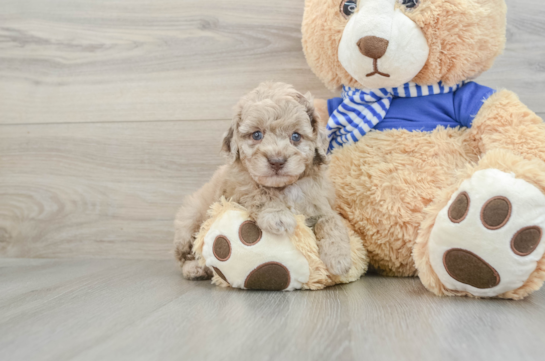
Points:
x=373, y=46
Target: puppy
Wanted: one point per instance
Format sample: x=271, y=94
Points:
x=277, y=168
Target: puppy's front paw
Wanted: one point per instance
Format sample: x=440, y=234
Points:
x=334, y=244
x=335, y=253
x=277, y=222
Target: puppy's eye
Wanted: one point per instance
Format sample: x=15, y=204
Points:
x=296, y=137
x=410, y=4
x=257, y=136
x=348, y=7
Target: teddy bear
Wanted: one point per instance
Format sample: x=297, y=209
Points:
x=442, y=178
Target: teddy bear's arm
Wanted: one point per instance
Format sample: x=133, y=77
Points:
x=504, y=122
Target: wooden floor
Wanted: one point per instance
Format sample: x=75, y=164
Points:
x=143, y=310
x=111, y=111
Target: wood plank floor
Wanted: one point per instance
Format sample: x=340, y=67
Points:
x=100, y=189
x=111, y=111
x=136, y=60
x=143, y=310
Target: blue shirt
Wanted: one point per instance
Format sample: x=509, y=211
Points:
x=426, y=113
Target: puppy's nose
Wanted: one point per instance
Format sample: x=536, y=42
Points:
x=373, y=47
x=277, y=163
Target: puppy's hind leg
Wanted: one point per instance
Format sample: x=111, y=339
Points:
x=334, y=244
x=188, y=222
x=192, y=270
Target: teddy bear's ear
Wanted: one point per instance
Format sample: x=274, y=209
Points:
x=229, y=146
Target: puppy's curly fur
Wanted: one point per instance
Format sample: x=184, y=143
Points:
x=277, y=168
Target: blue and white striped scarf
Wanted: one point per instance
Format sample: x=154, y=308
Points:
x=362, y=110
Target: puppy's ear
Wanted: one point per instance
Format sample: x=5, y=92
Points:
x=307, y=101
x=322, y=145
x=229, y=146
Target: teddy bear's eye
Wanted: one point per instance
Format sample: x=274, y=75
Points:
x=348, y=7
x=410, y=4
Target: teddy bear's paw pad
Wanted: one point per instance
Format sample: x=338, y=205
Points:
x=470, y=269
x=220, y=273
x=526, y=240
x=496, y=212
x=270, y=276
x=459, y=208
x=246, y=257
x=222, y=248
x=488, y=239
x=249, y=233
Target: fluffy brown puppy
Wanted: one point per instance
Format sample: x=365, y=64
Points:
x=277, y=168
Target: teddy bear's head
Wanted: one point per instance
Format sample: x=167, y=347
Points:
x=387, y=43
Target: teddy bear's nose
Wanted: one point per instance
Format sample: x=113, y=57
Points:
x=373, y=46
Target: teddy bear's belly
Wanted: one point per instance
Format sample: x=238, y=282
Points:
x=385, y=181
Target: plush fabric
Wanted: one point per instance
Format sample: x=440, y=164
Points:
x=532, y=172
x=464, y=38
x=447, y=187
x=493, y=245
x=386, y=180
x=397, y=36
x=269, y=262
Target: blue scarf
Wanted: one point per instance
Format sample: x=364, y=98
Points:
x=362, y=110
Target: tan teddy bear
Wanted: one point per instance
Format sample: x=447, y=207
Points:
x=441, y=177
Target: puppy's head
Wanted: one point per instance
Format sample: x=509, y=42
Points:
x=275, y=135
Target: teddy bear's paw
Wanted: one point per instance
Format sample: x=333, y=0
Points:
x=245, y=256
x=488, y=239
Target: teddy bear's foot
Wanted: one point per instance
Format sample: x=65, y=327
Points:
x=244, y=256
x=487, y=241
